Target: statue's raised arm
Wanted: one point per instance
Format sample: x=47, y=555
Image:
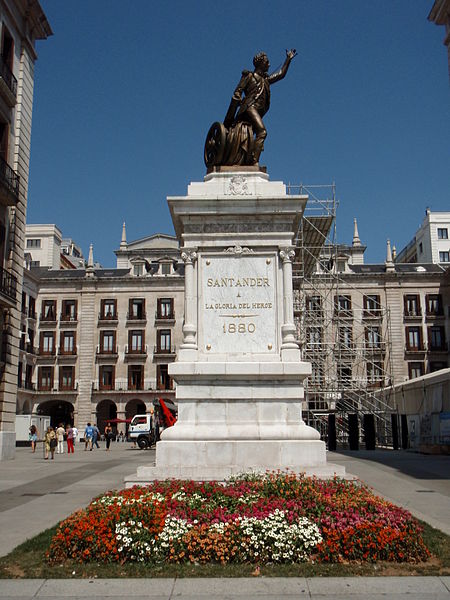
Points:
x=240, y=139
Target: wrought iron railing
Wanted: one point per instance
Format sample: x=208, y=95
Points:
x=8, y=76
x=8, y=284
x=9, y=177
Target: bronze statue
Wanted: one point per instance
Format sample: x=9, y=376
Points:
x=240, y=139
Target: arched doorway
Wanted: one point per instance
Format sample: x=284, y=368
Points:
x=26, y=408
x=135, y=407
x=59, y=411
x=106, y=410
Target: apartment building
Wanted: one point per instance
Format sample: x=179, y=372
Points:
x=97, y=342
x=22, y=24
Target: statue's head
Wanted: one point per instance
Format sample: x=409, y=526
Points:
x=261, y=62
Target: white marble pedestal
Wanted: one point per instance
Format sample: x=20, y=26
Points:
x=239, y=374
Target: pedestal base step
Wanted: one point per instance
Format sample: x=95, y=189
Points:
x=218, y=460
x=147, y=475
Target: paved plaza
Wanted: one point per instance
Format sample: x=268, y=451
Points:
x=35, y=494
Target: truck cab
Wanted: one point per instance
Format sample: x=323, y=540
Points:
x=141, y=430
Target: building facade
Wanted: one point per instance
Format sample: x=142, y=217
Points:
x=22, y=23
x=431, y=243
x=97, y=342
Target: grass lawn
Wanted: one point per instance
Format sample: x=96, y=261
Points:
x=29, y=561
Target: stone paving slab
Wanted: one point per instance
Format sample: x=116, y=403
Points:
x=260, y=588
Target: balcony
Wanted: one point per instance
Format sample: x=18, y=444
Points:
x=139, y=319
x=47, y=320
x=343, y=313
x=8, y=83
x=8, y=288
x=415, y=349
x=412, y=315
x=109, y=353
x=47, y=353
x=375, y=347
x=68, y=319
x=168, y=319
x=158, y=351
x=9, y=185
x=108, y=319
x=123, y=386
x=62, y=353
x=372, y=313
x=136, y=354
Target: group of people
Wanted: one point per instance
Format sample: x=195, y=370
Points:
x=54, y=438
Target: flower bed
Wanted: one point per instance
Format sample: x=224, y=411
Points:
x=272, y=518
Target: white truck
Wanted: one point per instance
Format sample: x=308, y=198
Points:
x=141, y=430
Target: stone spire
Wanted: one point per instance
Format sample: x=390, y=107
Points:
x=90, y=265
x=123, y=243
x=389, y=263
x=356, y=240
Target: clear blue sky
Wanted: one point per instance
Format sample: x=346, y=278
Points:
x=125, y=93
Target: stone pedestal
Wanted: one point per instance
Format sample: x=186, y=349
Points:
x=239, y=372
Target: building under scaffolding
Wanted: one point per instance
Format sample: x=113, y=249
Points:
x=343, y=328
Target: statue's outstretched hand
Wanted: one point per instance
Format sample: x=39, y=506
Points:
x=291, y=53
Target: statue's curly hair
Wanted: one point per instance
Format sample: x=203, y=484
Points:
x=259, y=58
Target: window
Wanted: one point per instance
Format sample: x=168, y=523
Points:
x=19, y=375
x=35, y=263
x=414, y=338
x=345, y=337
x=314, y=303
x=373, y=337
x=33, y=243
x=316, y=377
x=344, y=374
x=411, y=305
x=67, y=343
x=7, y=59
x=436, y=338
x=415, y=369
x=66, y=378
x=163, y=380
x=136, y=377
x=48, y=310
x=31, y=307
x=29, y=377
x=136, y=309
x=47, y=342
x=69, y=310
x=107, y=341
x=343, y=303
x=164, y=340
x=372, y=305
x=444, y=257
x=106, y=377
x=442, y=233
x=164, y=308
x=108, y=309
x=420, y=248
x=166, y=268
x=136, y=341
x=138, y=270
x=313, y=337
x=374, y=373
x=434, y=304
x=45, y=378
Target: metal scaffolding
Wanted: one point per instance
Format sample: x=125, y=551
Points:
x=343, y=331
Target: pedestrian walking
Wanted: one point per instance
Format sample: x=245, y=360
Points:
x=60, y=431
x=69, y=433
x=95, y=436
x=50, y=442
x=33, y=436
x=108, y=436
x=88, y=435
x=75, y=435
